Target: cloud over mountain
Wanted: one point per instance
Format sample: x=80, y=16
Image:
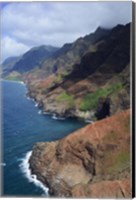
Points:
x=25, y=25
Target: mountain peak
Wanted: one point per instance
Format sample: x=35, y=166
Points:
x=101, y=29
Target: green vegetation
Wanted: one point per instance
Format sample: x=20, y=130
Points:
x=94, y=118
x=91, y=100
x=121, y=161
x=13, y=78
x=60, y=77
x=64, y=97
x=123, y=157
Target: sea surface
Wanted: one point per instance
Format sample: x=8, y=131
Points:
x=22, y=126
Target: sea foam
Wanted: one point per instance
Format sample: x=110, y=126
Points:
x=36, y=105
x=89, y=121
x=58, y=118
x=46, y=113
x=24, y=166
x=40, y=112
x=21, y=82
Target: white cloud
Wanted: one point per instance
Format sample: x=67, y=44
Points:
x=25, y=25
x=11, y=47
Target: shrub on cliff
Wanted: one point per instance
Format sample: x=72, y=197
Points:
x=90, y=101
x=64, y=97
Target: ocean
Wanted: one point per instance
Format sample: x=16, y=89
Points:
x=23, y=125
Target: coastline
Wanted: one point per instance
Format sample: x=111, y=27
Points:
x=20, y=82
x=25, y=168
x=57, y=114
x=34, y=177
x=72, y=167
x=25, y=161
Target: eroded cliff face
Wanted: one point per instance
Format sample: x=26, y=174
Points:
x=97, y=85
x=91, y=162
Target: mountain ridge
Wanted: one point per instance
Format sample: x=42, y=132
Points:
x=57, y=59
x=29, y=60
x=99, y=75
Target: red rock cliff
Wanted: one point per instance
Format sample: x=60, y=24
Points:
x=91, y=162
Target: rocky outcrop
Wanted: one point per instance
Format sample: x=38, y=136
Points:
x=91, y=162
x=104, y=189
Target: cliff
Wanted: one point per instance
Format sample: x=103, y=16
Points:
x=90, y=79
x=91, y=162
x=96, y=86
x=45, y=60
x=27, y=62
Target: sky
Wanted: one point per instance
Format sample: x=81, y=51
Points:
x=29, y=24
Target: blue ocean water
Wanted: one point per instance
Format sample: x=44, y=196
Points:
x=22, y=127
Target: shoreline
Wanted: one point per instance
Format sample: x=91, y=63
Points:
x=25, y=168
x=55, y=115
x=20, y=82
x=51, y=169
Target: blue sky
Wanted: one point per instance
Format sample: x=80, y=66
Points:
x=25, y=25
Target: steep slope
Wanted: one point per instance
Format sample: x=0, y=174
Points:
x=92, y=162
x=34, y=58
x=30, y=60
x=96, y=87
x=63, y=59
x=8, y=64
x=44, y=60
x=111, y=56
x=9, y=60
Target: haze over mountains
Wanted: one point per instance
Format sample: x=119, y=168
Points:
x=29, y=60
x=37, y=56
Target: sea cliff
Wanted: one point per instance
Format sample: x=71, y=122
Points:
x=88, y=79
x=91, y=162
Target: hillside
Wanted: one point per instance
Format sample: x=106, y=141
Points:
x=62, y=61
x=96, y=87
x=8, y=65
x=87, y=79
x=28, y=61
x=92, y=162
x=34, y=58
x=44, y=60
x=9, y=60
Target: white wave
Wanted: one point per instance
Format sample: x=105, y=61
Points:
x=21, y=82
x=89, y=121
x=46, y=113
x=29, y=98
x=36, y=105
x=39, y=112
x=14, y=81
x=3, y=164
x=58, y=118
x=24, y=166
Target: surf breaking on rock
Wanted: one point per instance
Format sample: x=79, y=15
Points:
x=24, y=166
